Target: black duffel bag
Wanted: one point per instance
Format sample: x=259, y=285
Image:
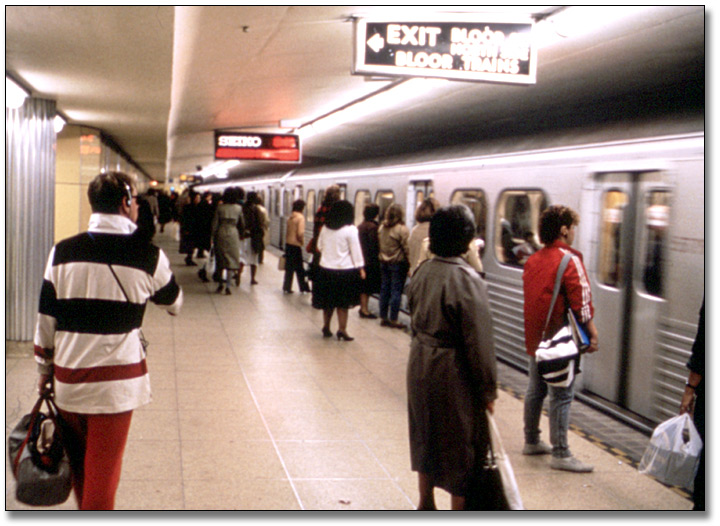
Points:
x=38, y=458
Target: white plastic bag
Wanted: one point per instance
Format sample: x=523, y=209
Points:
x=512, y=493
x=670, y=457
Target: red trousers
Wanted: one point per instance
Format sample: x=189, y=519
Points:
x=95, y=445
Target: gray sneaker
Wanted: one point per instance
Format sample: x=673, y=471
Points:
x=541, y=448
x=570, y=464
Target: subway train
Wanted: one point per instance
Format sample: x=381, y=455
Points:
x=639, y=191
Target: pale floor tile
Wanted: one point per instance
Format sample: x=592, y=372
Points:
x=256, y=494
x=329, y=459
x=293, y=381
x=230, y=459
x=154, y=425
x=152, y=460
x=288, y=402
x=214, y=399
x=382, y=399
x=228, y=424
x=361, y=494
x=149, y=495
x=374, y=425
x=310, y=425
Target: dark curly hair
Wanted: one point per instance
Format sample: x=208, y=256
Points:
x=553, y=219
x=451, y=230
x=341, y=213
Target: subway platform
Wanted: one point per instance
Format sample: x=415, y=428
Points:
x=254, y=410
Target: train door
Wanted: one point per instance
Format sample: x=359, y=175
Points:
x=630, y=241
x=417, y=192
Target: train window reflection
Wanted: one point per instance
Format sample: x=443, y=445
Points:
x=614, y=203
x=384, y=198
x=516, y=225
x=310, y=207
x=276, y=201
x=657, y=212
x=362, y=199
x=477, y=203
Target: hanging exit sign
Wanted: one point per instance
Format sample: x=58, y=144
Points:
x=494, y=49
x=257, y=147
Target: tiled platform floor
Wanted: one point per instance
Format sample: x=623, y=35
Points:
x=254, y=410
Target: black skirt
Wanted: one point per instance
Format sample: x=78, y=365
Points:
x=336, y=288
x=371, y=283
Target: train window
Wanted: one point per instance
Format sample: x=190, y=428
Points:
x=310, y=207
x=384, y=198
x=343, y=191
x=516, y=225
x=657, y=212
x=477, y=203
x=362, y=199
x=609, y=264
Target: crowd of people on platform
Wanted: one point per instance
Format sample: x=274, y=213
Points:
x=451, y=373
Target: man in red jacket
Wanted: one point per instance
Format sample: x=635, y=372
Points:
x=557, y=232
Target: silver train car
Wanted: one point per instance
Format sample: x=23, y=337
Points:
x=640, y=197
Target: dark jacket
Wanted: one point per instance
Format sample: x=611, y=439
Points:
x=451, y=373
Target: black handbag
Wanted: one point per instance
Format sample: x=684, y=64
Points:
x=485, y=492
x=38, y=458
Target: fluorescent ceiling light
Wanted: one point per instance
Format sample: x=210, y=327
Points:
x=218, y=169
x=15, y=95
x=59, y=123
x=384, y=101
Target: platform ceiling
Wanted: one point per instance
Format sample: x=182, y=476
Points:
x=160, y=80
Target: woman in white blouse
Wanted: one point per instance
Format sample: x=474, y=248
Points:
x=337, y=285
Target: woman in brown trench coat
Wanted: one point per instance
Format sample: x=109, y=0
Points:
x=451, y=375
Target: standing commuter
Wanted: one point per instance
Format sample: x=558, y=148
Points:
x=332, y=194
x=693, y=401
x=87, y=342
x=226, y=226
x=393, y=236
x=253, y=238
x=337, y=286
x=368, y=232
x=294, y=241
x=265, y=226
x=557, y=233
x=451, y=372
x=421, y=230
x=189, y=227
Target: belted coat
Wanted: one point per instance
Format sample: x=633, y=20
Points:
x=451, y=374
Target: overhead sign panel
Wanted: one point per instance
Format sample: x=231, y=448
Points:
x=257, y=147
x=482, y=49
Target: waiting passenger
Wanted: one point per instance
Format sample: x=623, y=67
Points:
x=252, y=242
x=368, y=232
x=393, y=236
x=332, y=195
x=227, y=224
x=451, y=374
x=557, y=232
x=294, y=241
x=421, y=230
x=337, y=285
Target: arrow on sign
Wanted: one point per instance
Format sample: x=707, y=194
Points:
x=376, y=42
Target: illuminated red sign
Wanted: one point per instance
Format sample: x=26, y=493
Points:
x=257, y=147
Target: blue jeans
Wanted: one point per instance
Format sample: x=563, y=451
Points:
x=392, y=282
x=560, y=399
